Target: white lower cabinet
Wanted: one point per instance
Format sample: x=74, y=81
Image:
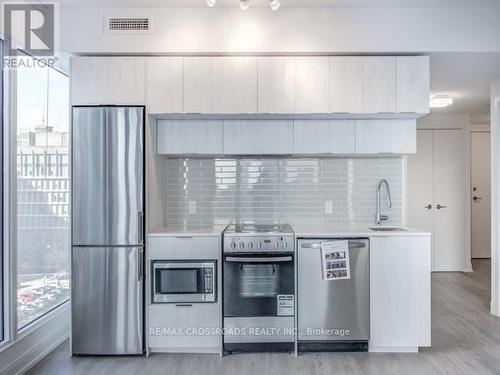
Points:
x=386, y=136
x=253, y=137
x=400, y=293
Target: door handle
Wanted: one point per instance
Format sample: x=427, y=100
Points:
x=183, y=305
x=258, y=260
x=429, y=207
x=140, y=271
x=440, y=206
x=476, y=199
x=140, y=227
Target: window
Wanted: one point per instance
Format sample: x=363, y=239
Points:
x=43, y=196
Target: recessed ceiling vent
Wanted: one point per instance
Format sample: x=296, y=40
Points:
x=129, y=25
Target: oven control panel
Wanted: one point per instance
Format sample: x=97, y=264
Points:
x=233, y=244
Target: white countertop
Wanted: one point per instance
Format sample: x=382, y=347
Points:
x=189, y=231
x=300, y=231
x=335, y=231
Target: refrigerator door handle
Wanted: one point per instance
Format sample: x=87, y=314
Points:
x=140, y=271
x=140, y=223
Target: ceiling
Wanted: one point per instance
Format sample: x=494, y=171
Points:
x=467, y=77
x=264, y=3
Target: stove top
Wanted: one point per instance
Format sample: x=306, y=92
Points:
x=251, y=237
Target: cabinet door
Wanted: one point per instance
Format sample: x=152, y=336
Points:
x=421, y=183
x=201, y=85
x=176, y=137
x=379, y=78
x=346, y=84
x=400, y=293
x=164, y=84
x=108, y=80
x=238, y=84
x=449, y=191
x=386, y=136
x=311, y=85
x=254, y=137
x=323, y=137
x=413, y=84
x=276, y=84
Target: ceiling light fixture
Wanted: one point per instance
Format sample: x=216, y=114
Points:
x=244, y=4
x=441, y=101
x=211, y=3
x=274, y=4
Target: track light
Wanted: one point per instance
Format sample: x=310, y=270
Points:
x=211, y=3
x=244, y=4
x=274, y=4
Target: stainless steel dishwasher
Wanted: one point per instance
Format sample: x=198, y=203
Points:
x=333, y=315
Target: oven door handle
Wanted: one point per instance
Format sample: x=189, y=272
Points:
x=259, y=260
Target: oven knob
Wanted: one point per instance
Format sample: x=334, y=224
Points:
x=276, y=245
x=259, y=245
x=285, y=245
x=250, y=245
x=242, y=245
x=233, y=245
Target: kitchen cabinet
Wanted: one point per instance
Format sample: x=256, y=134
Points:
x=164, y=84
x=312, y=91
x=413, y=84
x=177, y=137
x=346, y=84
x=395, y=136
x=323, y=137
x=276, y=84
x=201, y=84
x=379, y=84
x=253, y=137
x=437, y=190
x=238, y=84
x=108, y=80
x=400, y=293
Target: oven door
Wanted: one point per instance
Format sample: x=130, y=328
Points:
x=259, y=285
x=184, y=281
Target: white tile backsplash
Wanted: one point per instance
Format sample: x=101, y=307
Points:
x=276, y=189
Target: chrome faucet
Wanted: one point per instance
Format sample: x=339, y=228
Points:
x=380, y=217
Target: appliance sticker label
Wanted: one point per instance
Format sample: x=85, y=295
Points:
x=286, y=304
x=335, y=260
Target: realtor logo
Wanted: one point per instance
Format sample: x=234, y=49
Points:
x=30, y=27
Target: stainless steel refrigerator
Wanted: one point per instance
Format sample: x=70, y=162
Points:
x=107, y=230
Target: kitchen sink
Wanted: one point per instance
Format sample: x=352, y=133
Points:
x=387, y=229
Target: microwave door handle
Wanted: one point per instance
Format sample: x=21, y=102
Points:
x=258, y=260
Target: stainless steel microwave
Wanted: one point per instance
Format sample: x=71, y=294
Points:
x=184, y=281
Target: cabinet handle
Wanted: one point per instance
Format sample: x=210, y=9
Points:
x=440, y=206
x=429, y=207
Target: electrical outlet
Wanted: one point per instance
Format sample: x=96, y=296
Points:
x=192, y=207
x=328, y=207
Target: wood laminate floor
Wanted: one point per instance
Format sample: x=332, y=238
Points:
x=465, y=340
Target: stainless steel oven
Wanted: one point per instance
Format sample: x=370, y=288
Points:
x=184, y=281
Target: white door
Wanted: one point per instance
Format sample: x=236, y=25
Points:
x=276, y=84
x=420, y=183
x=379, y=81
x=481, y=199
x=312, y=90
x=449, y=200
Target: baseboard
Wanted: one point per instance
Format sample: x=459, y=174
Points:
x=393, y=349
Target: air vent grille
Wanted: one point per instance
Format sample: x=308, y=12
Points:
x=128, y=24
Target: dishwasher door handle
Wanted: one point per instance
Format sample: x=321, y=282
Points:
x=352, y=245
x=258, y=260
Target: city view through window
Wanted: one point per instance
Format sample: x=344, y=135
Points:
x=43, y=192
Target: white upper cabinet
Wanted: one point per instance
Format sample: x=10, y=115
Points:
x=254, y=137
x=108, y=81
x=238, y=84
x=312, y=91
x=201, y=85
x=379, y=79
x=164, y=84
x=413, y=80
x=177, y=137
x=323, y=137
x=346, y=84
x=276, y=84
x=386, y=136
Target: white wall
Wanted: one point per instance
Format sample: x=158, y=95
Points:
x=443, y=121
x=495, y=197
x=343, y=29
